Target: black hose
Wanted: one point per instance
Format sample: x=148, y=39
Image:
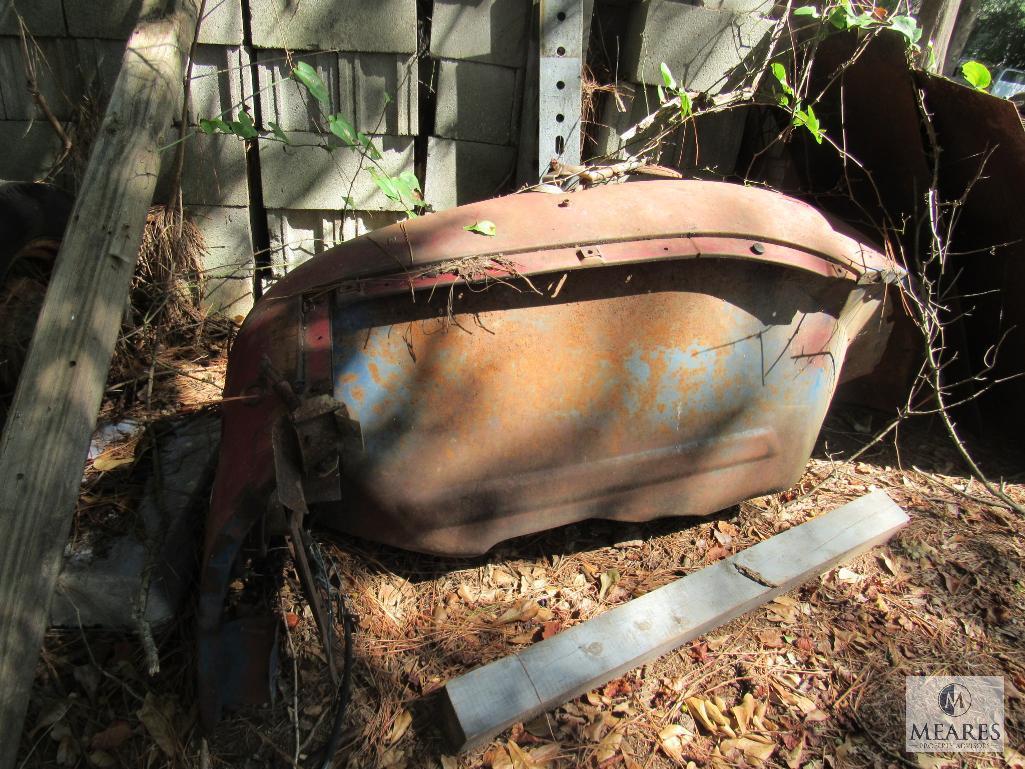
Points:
x=344, y=688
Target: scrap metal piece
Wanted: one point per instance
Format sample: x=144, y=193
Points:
x=480, y=704
x=559, y=91
x=621, y=353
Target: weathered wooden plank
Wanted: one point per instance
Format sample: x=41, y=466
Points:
x=492, y=698
x=47, y=434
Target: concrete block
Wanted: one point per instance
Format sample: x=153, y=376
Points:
x=228, y=264
x=100, y=63
x=30, y=150
x=491, y=31
x=377, y=92
x=296, y=236
x=214, y=173
x=708, y=143
x=706, y=50
x=99, y=583
x=44, y=18
x=58, y=75
x=461, y=172
x=476, y=102
x=309, y=177
x=763, y=7
x=221, y=82
x=111, y=19
x=381, y=26
x=221, y=23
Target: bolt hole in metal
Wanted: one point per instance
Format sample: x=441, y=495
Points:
x=559, y=118
x=560, y=145
x=561, y=51
x=561, y=16
x=560, y=85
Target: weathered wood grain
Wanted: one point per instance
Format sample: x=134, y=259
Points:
x=487, y=700
x=53, y=416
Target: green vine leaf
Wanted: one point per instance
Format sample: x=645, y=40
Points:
x=385, y=184
x=667, y=77
x=977, y=75
x=243, y=127
x=808, y=119
x=410, y=180
x=483, y=227
x=686, y=107
x=840, y=17
x=215, y=125
x=278, y=133
x=908, y=27
x=368, y=146
x=807, y=10
x=308, y=76
x=343, y=129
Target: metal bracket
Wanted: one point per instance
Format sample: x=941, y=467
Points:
x=559, y=90
x=590, y=255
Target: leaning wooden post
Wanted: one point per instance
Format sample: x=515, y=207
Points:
x=47, y=435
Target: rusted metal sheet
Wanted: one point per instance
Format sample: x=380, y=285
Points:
x=629, y=352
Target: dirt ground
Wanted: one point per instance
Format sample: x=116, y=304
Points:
x=814, y=679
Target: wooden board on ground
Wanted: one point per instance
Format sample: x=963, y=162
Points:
x=516, y=688
x=51, y=421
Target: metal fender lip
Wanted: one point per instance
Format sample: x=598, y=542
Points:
x=718, y=262
x=625, y=222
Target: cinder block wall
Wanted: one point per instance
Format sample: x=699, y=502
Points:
x=712, y=47
x=438, y=88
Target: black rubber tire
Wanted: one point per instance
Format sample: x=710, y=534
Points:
x=33, y=218
x=29, y=212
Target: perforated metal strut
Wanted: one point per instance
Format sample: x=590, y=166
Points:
x=559, y=91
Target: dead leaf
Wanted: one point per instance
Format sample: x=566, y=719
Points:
x=107, y=461
x=545, y=754
x=112, y=737
x=518, y=757
x=889, y=565
x=672, y=739
x=398, y=727
x=158, y=715
x=550, y=628
x=67, y=751
x=1014, y=759
x=89, y=679
x=699, y=651
x=699, y=709
x=521, y=612
x=392, y=757
x=449, y=762
x=502, y=578
x=716, y=553
x=50, y=715
x=929, y=761
x=771, y=638
x=751, y=748
x=464, y=593
x=843, y=574
x=783, y=610
x=607, y=580
x=793, y=756
x=817, y=715
x=500, y=759
x=609, y=745
x=101, y=759
x=744, y=712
